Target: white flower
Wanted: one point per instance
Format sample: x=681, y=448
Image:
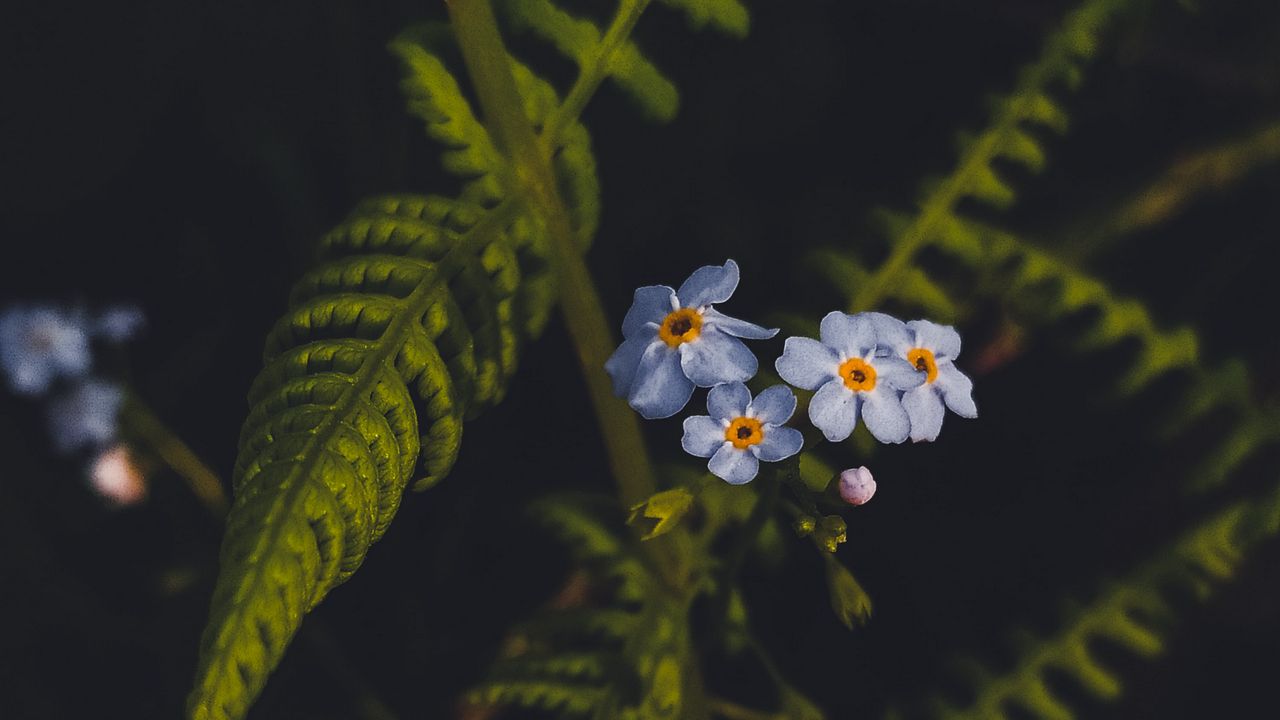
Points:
x=931, y=349
x=740, y=432
x=675, y=339
x=39, y=344
x=851, y=379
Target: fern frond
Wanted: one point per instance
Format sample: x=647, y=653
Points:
x=622, y=660
x=408, y=324
x=402, y=330
x=610, y=54
x=1006, y=137
x=1132, y=614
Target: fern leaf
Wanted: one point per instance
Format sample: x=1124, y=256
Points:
x=974, y=176
x=401, y=330
x=582, y=42
x=623, y=660
x=728, y=16
x=408, y=324
x=1132, y=614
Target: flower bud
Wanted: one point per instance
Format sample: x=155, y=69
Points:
x=857, y=486
x=805, y=526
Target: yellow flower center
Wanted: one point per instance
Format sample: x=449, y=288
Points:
x=922, y=358
x=858, y=375
x=680, y=326
x=744, y=432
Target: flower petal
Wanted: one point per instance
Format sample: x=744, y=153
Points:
x=924, y=408
x=624, y=362
x=774, y=405
x=834, y=410
x=778, y=443
x=709, y=284
x=652, y=303
x=660, y=389
x=943, y=340
x=728, y=401
x=736, y=327
x=733, y=465
x=702, y=435
x=882, y=412
x=848, y=335
x=716, y=358
x=899, y=373
x=806, y=363
x=957, y=390
x=891, y=333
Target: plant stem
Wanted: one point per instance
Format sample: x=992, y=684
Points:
x=624, y=21
x=486, y=61
x=203, y=482
x=766, y=500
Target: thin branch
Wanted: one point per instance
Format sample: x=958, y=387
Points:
x=203, y=482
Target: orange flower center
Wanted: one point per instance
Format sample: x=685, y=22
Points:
x=922, y=358
x=744, y=432
x=858, y=375
x=680, y=326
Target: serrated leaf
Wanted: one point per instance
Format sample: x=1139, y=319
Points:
x=850, y=602
x=661, y=512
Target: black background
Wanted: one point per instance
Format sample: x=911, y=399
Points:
x=185, y=156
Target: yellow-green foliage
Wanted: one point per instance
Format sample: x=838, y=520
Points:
x=1130, y=614
x=622, y=658
x=1039, y=288
x=1036, y=286
x=408, y=324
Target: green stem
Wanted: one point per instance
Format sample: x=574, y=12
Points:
x=624, y=21
x=141, y=422
x=770, y=484
x=486, y=61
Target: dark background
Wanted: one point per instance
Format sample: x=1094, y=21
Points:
x=185, y=156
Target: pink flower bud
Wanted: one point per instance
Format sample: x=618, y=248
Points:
x=857, y=486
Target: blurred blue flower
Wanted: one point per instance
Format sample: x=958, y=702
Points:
x=675, y=340
x=850, y=378
x=39, y=344
x=931, y=349
x=85, y=415
x=119, y=323
x=740, y=432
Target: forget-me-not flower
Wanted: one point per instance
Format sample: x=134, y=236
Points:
x=850, y=378
x=86, y=415
x=931, y=349
x=39, y=344
x=675, y=340
x=740, y=432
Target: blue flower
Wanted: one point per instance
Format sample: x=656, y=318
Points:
x=675, y=339
x=931, y=349
x=40, y=344
x=851, y=379
x=85, y=416
x=119, y=323
x=740, y=432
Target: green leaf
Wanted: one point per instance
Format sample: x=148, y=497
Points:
x=1133, y=614
x=409, y=324
x=661, y=512
x=850, y=602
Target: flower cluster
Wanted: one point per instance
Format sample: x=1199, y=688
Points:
x=895, y=376
x=674, y=341
x=45, y=352
x=898, y=378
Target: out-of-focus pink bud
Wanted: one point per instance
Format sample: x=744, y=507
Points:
x=857, y=486
x=117, y=478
